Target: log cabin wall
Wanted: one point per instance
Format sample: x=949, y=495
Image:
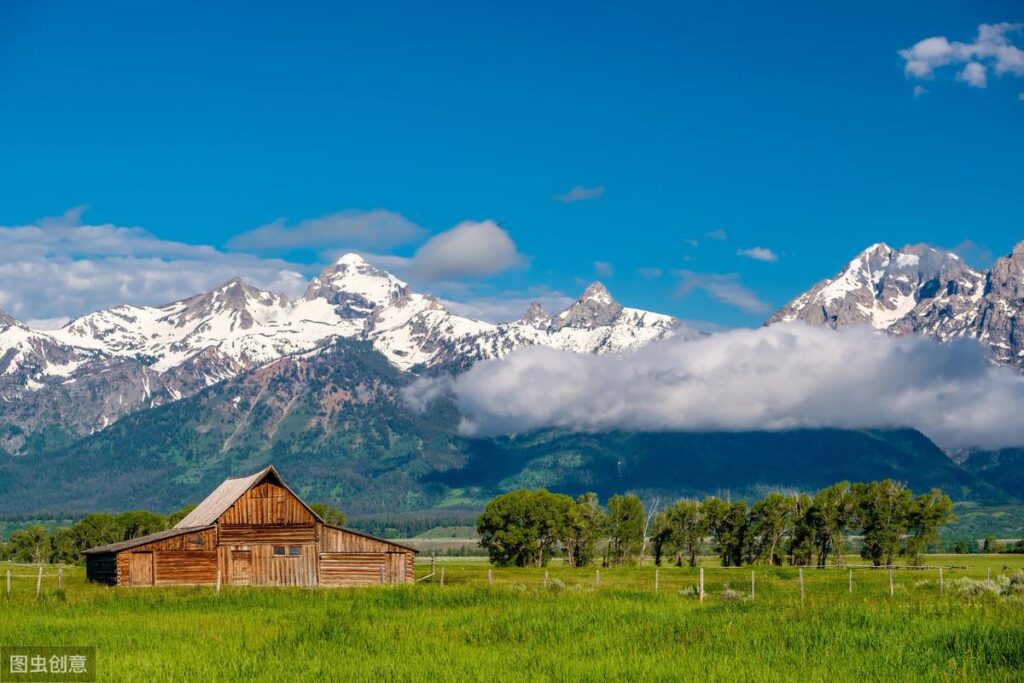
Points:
x=267, y=504
x=350, y=559
x=185, y=559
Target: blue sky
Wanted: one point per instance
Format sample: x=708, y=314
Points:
x=796, y=130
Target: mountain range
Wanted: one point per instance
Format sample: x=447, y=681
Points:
x=139, y=406
x=102, y=366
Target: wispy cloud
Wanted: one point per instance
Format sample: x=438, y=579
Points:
x=581, y=193
x=720, y=235
x=650, y=273
x=59, y=267
x=759, y=254
x=992, y=50
x=352, y=229
x=775, y=378
x=725, y=288
x=920, y=90
x=604, y=269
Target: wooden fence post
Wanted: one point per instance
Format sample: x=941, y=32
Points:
x=8, y=581
x=218, y=581
x=800, y=574
x=442, y=576
x=490, y=576
x=60, y=578
x=892, y=589
x=433, y=564
x=597, y=578
x=940, y=580
x=39, y=581
x=545, y=578
x=382, y=575
x=988, y=574
x=851, y=582
x=751, y=584
x=700, y=585
x=655, y=580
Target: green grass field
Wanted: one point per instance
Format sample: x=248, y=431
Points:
x=518, y=630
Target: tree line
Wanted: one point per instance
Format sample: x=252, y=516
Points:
x=36, y=543
x=529, y=527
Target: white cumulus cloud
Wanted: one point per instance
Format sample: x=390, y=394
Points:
x=759, y=254
x=775, y=378
x=992, y=50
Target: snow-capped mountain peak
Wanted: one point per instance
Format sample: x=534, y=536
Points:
x=880, y=286
x=595, y=308
x=356, y=286
x=536, y=316
x=923, y=290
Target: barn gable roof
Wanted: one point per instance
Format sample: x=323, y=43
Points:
x=143, y=540
x=225, y=495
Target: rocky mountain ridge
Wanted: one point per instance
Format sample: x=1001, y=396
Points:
x=106, y=364
x=922, y=290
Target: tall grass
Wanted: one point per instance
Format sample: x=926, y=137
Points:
x=518, y=630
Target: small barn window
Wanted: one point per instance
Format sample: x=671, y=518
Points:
x=279, y=550
x=294, y=551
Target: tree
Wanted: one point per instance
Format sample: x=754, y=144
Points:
x=583, y=531
x=140, y=523
x=625, y=526
x=831, y=515
x=771, y=519
x=882, y=509
x=680, y=529
x=329, y=514
x=926, y=514
x=729, y=525
x=963, y=546
x=524, y=527
x=803, y=537
x=31, y=544
x=178, y=515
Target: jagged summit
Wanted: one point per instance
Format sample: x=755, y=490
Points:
x=536, y=316
x=879, y=286
x=594, y=308
x=920, y=289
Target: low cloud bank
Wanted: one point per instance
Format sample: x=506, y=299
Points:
x=775, y=378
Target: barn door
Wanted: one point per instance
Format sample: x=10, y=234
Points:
x=241, y=567
x=140, y=569
x=396, y=568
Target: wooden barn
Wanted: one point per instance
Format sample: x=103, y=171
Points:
x=252, y=531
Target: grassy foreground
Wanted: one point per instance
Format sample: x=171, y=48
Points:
x=518, y=630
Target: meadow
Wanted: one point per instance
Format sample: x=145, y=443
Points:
x=517, y=629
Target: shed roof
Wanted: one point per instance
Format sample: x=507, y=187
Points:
x=225, y=495
x=143, y=540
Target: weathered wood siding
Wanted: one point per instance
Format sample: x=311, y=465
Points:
x=173, y=567
x=256, y=565
x=267, y=504
x=185, y=559
x=101, y=568
x=350, y=559
x=242, y=534
x=339, y=541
